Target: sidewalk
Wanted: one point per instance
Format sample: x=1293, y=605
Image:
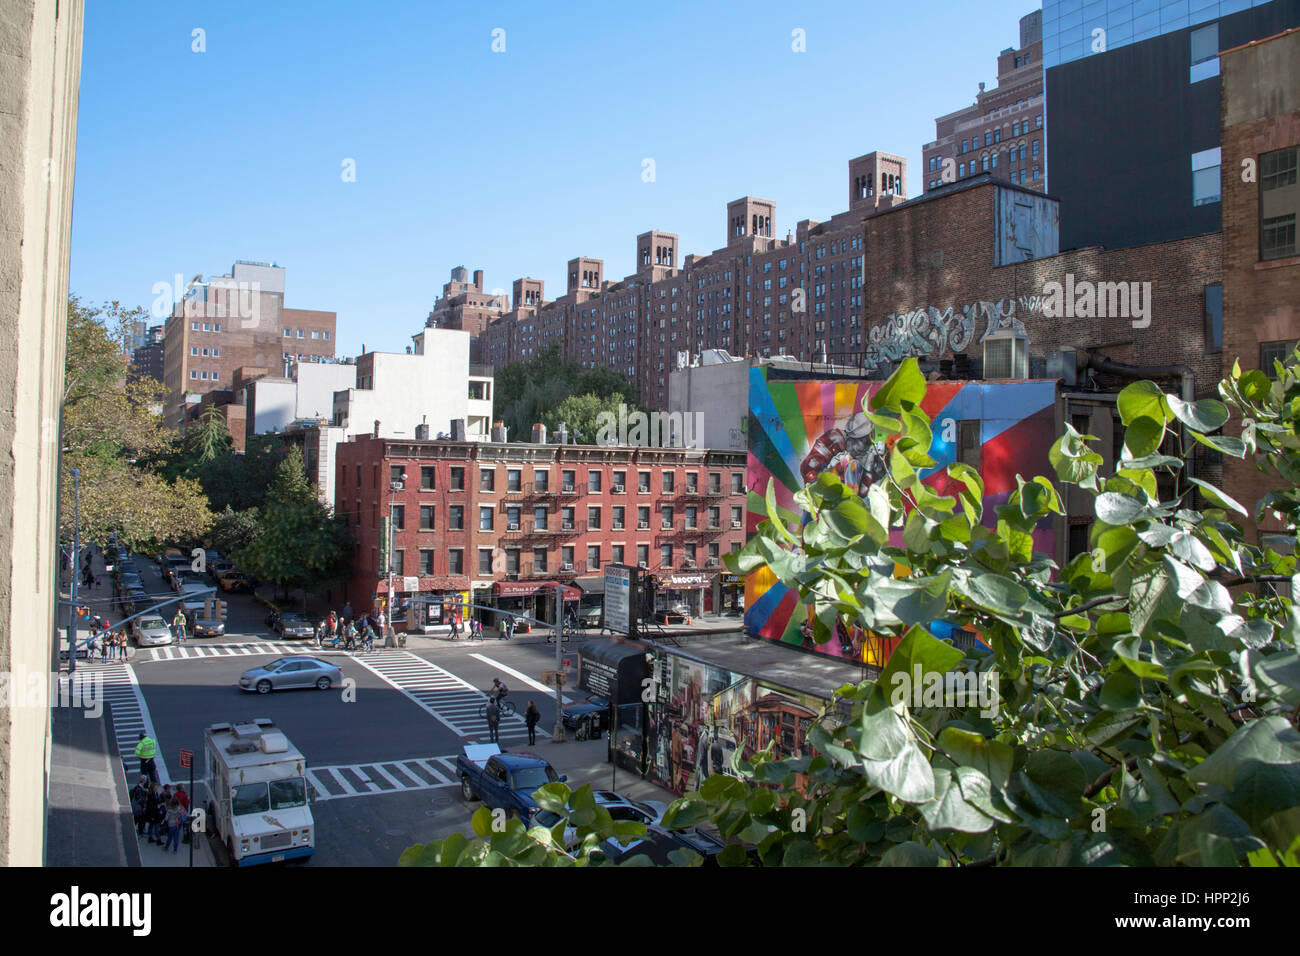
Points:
x=701, y=627
x=583, y=762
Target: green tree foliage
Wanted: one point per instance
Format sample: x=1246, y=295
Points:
x=301, y=544
x=1132, y=711
x=581, y=415
x=533, y=391
x=233, y=531
x=208, y=438
x=109, y=425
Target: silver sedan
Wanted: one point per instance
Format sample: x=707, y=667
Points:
x=291, y=672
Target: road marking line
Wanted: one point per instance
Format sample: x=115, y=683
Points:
x=534, y=684
x=429, y=767
x=389, y=777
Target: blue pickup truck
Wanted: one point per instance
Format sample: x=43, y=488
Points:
x=503, y=780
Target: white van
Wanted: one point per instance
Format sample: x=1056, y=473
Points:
x=256, y=790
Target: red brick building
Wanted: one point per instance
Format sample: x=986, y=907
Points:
x=502, y=524
x=1261, y=268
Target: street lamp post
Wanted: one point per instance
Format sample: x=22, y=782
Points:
x=557, y=735
x=76, y=562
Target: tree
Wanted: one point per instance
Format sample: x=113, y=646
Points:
x=301, y=544
x=1132, y=710
x=234, y=531
x=531, y=392
x=207, y=439
x=108, y=426
x=581, y=415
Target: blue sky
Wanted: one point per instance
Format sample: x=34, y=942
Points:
x=510, y=162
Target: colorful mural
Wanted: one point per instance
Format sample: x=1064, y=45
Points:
x=799, y=429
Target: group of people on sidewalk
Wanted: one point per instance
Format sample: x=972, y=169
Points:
x=158, y=809
x=340, y=630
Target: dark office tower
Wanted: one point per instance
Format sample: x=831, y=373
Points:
x=1133, y=130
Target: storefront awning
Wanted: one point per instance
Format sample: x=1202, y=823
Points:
x=592, y=585
x=529, y=588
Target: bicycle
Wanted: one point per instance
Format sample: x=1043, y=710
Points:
x=507, y=709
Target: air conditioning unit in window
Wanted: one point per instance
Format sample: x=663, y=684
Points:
x=513, y=527
x=643, y=525
x=566, y=526
x=618, y=489
x=688, y=563
x=566, y=566
x=643, y=564
x=1006, y=356
x=735, y=524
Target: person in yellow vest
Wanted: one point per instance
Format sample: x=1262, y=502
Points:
x=146, y=750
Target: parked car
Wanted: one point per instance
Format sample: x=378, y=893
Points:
x=658, y=843
x=235, y=581
x=503, y=780
x=594, y=706
x=647, y=812
x=151, y=631
x=290, y=672
x=129, y=582
x=290, y=625
x=206, y=628
x=135, y=601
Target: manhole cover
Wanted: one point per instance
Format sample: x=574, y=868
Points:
x=440, y=800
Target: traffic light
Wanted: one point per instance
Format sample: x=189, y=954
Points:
x=220, y=609
x=209, y=608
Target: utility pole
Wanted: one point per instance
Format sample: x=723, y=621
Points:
x=557, y=735
x=393, y=488
x=76, y=569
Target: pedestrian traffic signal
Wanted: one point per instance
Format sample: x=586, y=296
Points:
x=220, y=609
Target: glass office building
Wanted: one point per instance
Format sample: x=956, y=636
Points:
x=1070, y=26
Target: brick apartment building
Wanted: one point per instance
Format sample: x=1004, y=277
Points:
x=740, y=297
x=147, y=358
x=1002, y=132
x=467, y=306
x=557, y=513
x=237, y=321
x=1261, y=268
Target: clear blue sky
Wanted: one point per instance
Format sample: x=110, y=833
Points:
x=510, y=162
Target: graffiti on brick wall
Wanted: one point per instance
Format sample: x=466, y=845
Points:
x=929, y=333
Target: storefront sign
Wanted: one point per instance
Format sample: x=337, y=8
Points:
x=529, y=588
x=618, y=599
x=410, y=584
x=697, y=580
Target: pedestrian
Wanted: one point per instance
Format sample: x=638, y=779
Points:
x=320, y=634
x=146, y=750
x=499, y=690
x=183, y=799
x=531, y=716
x=347, y=612
x=172, y=820
x=510, y=629
x=104, y=637
x=351, y=643
x=139, y=803
x=155, y=813
x=121, y=644
x=381, y=622
x=494, y=721
x=369, y=644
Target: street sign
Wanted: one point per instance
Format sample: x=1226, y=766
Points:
x=187, y=758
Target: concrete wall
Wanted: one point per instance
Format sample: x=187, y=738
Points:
x=272, y=404
x=40, y=76
x=721, y=393
x=317, y=384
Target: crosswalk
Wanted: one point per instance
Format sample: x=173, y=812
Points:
x=447, y=698
x=177, y=652
x=130, y=715
x=355, y=780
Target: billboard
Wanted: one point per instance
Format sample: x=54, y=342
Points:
x=619, y=615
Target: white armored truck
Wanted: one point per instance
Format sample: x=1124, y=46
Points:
x=257, y=793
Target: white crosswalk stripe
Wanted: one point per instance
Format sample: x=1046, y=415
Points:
x=449, y=699
x=130, y=716
x=387, y=776
x=178, y=652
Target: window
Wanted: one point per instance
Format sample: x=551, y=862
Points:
x=1270, y=352
x=566, y=519
x=193, y=374
x=643, y=517
x=399, y=517
x=666, y=556
x=593, y=557
x=1214, y=317
x=456, y=518
x=1279, y=201
x=692, y=483
x=593, y=518
x=737, y=483
x=1205, y=53
x=616, y=553
x=593, y=482
x=714, y=516
x=358, y=476
x=643, y=482
x=566, y=557
x=539, y=559
x=539, y=518
x=426, y=517
x=619, y=512
x=399, y=563
x=512, y=560
x=426, y=560
x=541, y=480
x=288, y=333
x=1205, y=177
x=514, y=479
x=427, y=480
x=736, y=516
x=456, y=561
x=666, y=517
x=715, y=483
x=396, y=474
x=691, y=516
x=302, y=334
x=668, y=482
x=1277, y=169
x=968, y=443
x=567, y=481
x=643, y=554
x=1277, y=237
x=487, y=479
x=458, y=479
x=485, y=562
